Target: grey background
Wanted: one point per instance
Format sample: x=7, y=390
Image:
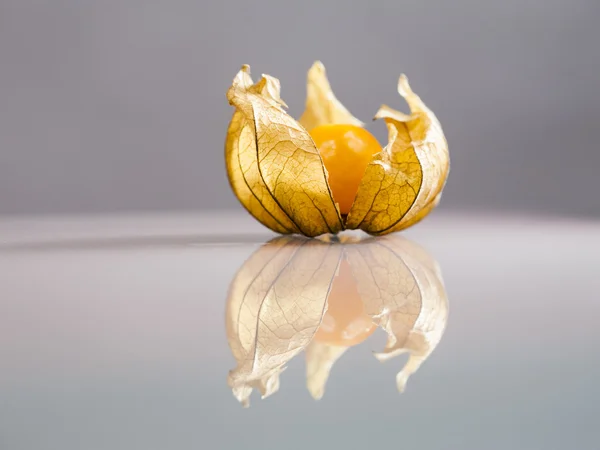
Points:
x=117, y=105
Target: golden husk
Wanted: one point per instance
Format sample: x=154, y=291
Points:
x=276, y=172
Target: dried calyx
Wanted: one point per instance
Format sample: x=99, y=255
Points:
x=326, y=173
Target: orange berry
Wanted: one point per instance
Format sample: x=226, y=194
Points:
x=346, y=151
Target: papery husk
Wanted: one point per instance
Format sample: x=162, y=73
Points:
x=403, y=183
x=276, y=172
x=273, y=166
x=322, y=106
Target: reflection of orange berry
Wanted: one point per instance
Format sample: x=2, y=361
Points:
x=345, y=323
x=346, y=151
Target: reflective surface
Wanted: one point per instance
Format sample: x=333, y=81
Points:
x=133, y=333
x=296, y=294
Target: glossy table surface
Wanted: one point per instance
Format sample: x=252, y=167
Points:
x=153, y=331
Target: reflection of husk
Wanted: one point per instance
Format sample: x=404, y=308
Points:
x=402, y=288
x=275, y=306
x=320, y=358
x=278, y=298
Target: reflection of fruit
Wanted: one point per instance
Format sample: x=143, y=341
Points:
x=345, y=323
x=346, y=151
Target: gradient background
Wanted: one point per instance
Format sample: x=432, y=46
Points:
x=120, y=105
